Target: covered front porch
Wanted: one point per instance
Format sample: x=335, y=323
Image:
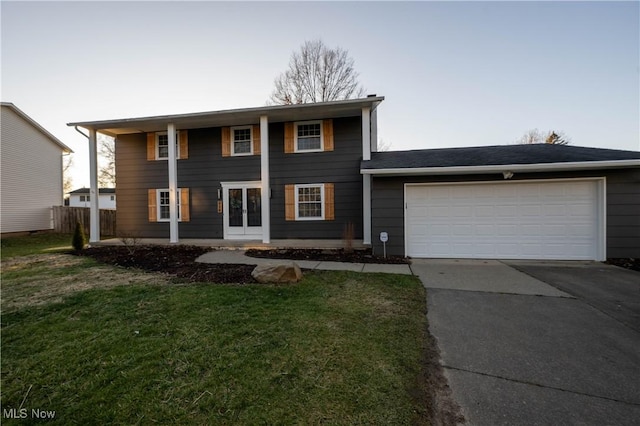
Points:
x=240, y=244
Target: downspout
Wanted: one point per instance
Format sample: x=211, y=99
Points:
x=80, y=131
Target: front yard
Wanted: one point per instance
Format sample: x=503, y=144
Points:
x=100, y=344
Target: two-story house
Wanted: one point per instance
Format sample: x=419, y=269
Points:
x=31, y=172
x=275, y=172
x=307, y=171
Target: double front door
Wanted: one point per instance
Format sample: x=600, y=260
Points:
x=242, y=210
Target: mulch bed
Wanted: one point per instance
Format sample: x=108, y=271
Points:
x=177, y=261
x=633, y=264
x=326, y=255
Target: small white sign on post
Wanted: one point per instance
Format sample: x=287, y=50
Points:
x=384, y=237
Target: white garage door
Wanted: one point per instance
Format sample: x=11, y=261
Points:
x=509, y=220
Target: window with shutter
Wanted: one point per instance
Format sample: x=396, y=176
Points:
x=308, y=136
x=158, y=145
x=309, y=201
x=158, y=201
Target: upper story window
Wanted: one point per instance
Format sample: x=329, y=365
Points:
x=241, y=141
x=308, y=136
x=85, y=198
x=158, y=145
x=162, y=146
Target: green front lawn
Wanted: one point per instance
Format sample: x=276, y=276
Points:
x=128, y=347
x=37, y=243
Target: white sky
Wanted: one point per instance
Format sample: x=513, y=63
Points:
x=453, y=73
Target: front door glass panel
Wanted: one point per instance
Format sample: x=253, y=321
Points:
x=236, y=208
x=254, y=209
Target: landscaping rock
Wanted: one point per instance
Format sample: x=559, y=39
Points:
x=277, y=273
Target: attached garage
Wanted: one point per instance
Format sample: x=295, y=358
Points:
x=556, y=202
x=557, y=219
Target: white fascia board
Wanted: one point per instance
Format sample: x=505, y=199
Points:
x=247, y=114
x=516, y=168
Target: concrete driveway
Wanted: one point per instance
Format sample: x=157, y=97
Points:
x=537, y=343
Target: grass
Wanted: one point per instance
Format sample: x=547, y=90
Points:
x=32, y=244
x=129, y=348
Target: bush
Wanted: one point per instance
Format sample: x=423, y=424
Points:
x=79, y=239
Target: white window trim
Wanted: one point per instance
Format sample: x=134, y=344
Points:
x=233, y=145
x=295, y=136
x=158, y=134
x=158, y=218
x=322, y=200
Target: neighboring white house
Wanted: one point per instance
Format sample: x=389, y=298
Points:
x=81, y=198
x=31, y=172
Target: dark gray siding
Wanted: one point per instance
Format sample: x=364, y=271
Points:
x=623, y=213
x=205, y=169
x=202, y=173
x=623, y=206
x=341, y=167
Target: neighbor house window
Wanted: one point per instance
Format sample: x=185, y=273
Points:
x=113, y=197
x=162, y=146
x=163, y=205
x=84, y=198
x=308, y=136
x=241, y=141
x=309, y=202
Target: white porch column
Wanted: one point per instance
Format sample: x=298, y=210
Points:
x=366, y=179
x=94, y=212
x=264, y=177
x=173, y=184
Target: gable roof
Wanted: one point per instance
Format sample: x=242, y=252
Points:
x=100, y=191
x=233, y=117
x=535, y=157
x=36, y=126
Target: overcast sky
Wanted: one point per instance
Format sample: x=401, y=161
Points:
x=453, y=73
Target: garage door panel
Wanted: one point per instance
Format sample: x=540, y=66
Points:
x=527, y=220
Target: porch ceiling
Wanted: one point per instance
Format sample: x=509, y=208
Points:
x=234, y=117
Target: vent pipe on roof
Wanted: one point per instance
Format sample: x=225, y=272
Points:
x=372, y=95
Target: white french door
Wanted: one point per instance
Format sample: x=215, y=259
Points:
x=242, y=210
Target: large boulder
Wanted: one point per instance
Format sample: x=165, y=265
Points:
x=277, y=273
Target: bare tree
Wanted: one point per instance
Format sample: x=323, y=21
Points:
x=556, y=138
x=107, y=170
x=317, y=74
x=67, y=180
x=552, y=137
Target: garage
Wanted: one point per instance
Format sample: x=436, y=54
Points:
x=536, y=219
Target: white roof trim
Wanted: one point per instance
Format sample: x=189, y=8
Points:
x=295, y=112
x=36, y=126
x=539, y=167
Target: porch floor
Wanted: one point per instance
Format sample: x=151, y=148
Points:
x=242, y=244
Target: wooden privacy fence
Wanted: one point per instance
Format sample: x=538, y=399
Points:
x=65, y=218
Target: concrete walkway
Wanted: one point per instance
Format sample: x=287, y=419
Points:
x=239, y=257
x=537, y=343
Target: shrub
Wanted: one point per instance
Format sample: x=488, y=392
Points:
x=79, y=239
